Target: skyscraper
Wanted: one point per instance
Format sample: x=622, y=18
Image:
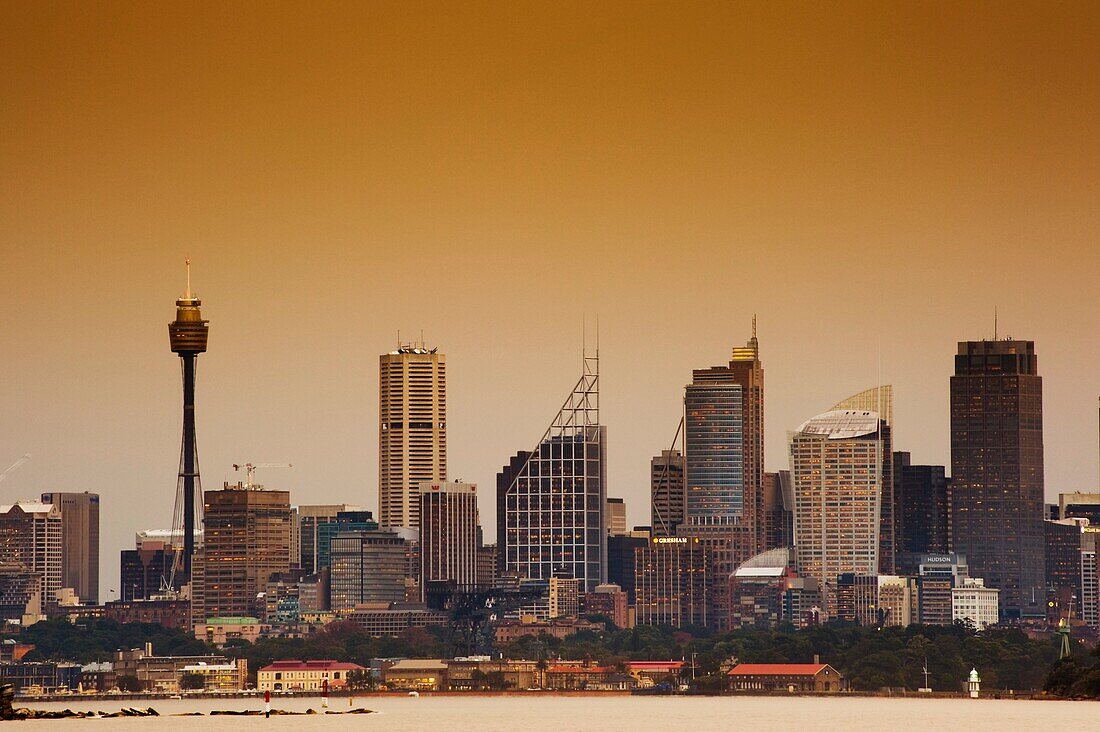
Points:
x=724, y=468
x=836, y=469
x=366, y=567
x=412, y=430
x=448, y=534
x=550, y=501
x=306, y=520
x=997, y=470
x=672, y=583
x=30, y=538
x=880, y=399
x=79, y=542
x=667, y=493
x=187, y=335
x=921, y=497
x=247, y=539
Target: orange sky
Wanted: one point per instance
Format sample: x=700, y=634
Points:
x=870, y=178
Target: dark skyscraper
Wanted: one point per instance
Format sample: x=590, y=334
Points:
x=79, y=542
x=920, y=495
x=188, y=334
x=997, y=470
x=666, y=492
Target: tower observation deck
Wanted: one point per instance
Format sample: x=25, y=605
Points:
x=187, y=335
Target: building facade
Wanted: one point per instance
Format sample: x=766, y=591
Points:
x=366, y=567
x=412, y=431
x=672, y=583
x=836, y=469
x=974, y=602
x=79, y=542
x=997, y=470
x=247, y=539
x=30, y=538
x=448, y=534
x=667, y=494
x=922, y=509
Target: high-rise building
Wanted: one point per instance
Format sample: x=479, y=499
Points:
x=343, y=521
x=247, y=539
x=667, y=493
x=938, y=574
x=836, y=470
x=724, y=467
x=620, y=562
x=1066, y=542
x=412, y=430
x=550, y=501
x=304, y=531
x=880, y=399
x=366, y=567
x=187, y=335
x=671, y=582
x=20, y=594
x=997, y=470
x=79, y=542
x=448, y=534
x=778, y=510
x=921, y=500
x=1080, y=505
x=30, y=539
x=615, y=510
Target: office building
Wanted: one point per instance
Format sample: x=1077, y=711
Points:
x=412, y=431
x=79, y=542
x=306, y=520
x=880, y=399
x=20, y=594
x=246, y=541
x=667, y=493
x=671, y=583
x=836, y=472
x=937, y=575
x=973, y=602
x=343, y=521
x=611, y=602
x=448, y=534
x=757, y=590
x=997, y=470
x=922, y=512
x=778, y=530
x=724, y=467
x=550, y=501
x=366, y=567
x=1067, y=542
x=620, y=562
x=615, y=511
x=878, y=600
x=1080, y=505
x=30, y=539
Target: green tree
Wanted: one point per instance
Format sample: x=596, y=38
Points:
x=193, y=682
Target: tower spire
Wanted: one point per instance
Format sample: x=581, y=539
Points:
x=187, y=295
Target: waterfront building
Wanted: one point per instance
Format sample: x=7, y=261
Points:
x=79, y=542
x=366, y=566
x=30, y=538
x=671, y=582
x=390, y=620
x=163, y=673
x=973, y=601
x=836, y=470
x=47, y=676
x=416, y=675
x=412, y=430
x=246, y=540
x=788, y=677
x=551, y=500
x=922, y=509
x=667, y=493
x=219, y=677
x=305, y=675
x=448, y=534
x=997, y=470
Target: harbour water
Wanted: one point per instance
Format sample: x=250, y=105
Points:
x=518, y=713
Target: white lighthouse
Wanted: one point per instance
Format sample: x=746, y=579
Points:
x=973, y=684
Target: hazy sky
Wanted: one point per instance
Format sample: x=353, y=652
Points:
x=872, y=179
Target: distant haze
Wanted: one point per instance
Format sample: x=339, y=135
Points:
x=870, y=179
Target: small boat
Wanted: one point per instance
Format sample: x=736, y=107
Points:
x=414, y=693
x=662, y=689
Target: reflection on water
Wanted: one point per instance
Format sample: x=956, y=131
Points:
x=607, y=714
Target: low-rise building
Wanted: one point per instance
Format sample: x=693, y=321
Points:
x=790, y=677
x=382, y=619
x=655, y=671
x=219, y=676
x=507, y=631
x=217, y=631
x=169, y=613
x=413, y=674
x=40, y=677
x=159, y=673
x=304, y=675
x=482, y=673
x=610, y=601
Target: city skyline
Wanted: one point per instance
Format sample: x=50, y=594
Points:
x=501, y=180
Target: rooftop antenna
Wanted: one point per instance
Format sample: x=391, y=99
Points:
x=754, y=326
x=423, y=343
x=994, y=322
x=399, y=339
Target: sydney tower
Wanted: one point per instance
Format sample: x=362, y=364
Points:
x=187, y=334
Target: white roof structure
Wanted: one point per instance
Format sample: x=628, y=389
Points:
x=841, y=424
x=30, y=507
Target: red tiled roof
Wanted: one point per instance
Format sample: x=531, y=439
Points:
x=777, y=669
x=293, y=665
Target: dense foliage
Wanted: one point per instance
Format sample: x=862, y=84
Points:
x=97, y=640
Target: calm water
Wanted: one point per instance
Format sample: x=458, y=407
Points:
x=611, y=714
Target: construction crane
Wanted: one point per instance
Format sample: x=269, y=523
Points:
x=250, y=471
x=14, y=466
